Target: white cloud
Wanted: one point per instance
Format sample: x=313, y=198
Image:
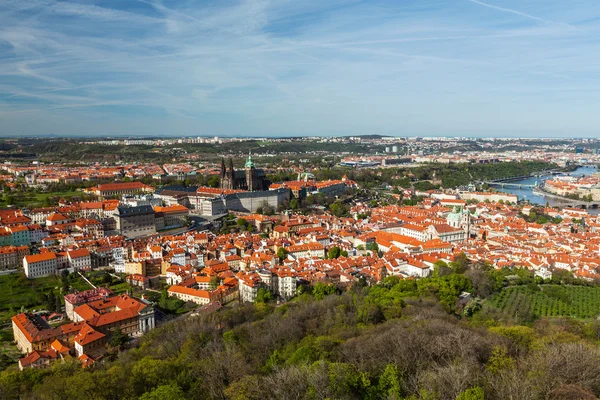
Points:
x=273, y=67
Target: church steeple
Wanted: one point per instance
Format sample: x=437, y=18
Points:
x=250, y=174
x=249, y=162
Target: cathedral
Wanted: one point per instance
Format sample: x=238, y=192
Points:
x=250, y=179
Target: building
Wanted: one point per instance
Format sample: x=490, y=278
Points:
x=43, y=359
x=150, y=267
x=38, y=265
x=121, y=188
x=198, y=296
x=250, y=179
x=211, y=201
x=248, y=286
x=11, y=257
x=174, y=216
x=90, y=342
x=79, y=259
x=307, y=250
x=135, y=221
x=74, y=300
x=94, y=323
x=32, y=333
x=130, y=315
x=58, y=219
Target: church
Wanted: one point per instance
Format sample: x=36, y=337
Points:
x=250, y=179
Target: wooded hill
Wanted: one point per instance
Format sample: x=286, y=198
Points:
x=401, y=339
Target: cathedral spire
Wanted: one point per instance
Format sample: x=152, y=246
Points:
x=249, y=162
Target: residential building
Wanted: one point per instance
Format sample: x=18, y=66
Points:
x=135, y=221
x=38, y=265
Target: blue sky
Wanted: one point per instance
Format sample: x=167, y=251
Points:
x=291, y=67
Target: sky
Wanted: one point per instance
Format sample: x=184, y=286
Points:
x=491, y=68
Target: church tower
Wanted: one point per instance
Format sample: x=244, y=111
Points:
x=222, y=174
x=227, y=176
x=251, y=174
x=231, y=175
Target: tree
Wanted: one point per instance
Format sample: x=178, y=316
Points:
x=282, y=253
x=499, y=360
x=373, y=246
x=263, y=296
x=57, y=304
x=337, y=209
x=460, y=264
x=165, y=392
x=321, y=290
x=475, y=393
x=440, y=268
x=241, y=222
x=334, y=252
x=214, y=282
x=118, y=338
x=294, y=204
x=50, y=301
x=213, y=181
x=390, y=383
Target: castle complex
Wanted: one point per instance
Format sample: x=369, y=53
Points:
x=251, y=179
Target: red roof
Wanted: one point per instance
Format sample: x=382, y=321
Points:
x=57, y=217
x=122, y=186
x=79, y=253
x=40, y=257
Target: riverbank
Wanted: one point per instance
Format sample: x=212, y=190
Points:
x=528, y=194
x=541, y=191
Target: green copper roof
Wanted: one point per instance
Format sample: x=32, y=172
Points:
x=249, y=162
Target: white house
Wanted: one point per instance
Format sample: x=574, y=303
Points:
x=38, y=265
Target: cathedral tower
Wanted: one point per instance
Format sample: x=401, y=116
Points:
x=251, y=174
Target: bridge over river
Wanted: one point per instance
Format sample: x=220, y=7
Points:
x=538, y=188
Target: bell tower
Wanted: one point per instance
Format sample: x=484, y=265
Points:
x=250, y=174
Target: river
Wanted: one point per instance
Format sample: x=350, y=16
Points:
x=527, y=193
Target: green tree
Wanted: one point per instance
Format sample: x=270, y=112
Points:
x=373, y=246
x=165, y=392
x=50, y=301
x=294, y=204
x=334, y=252
x=263, y=296
x=321, y=290
x=214, y=282
x=460, y=264
x=118, y=338
x=499, y=360
x=475, y=393
x=57, y=304
x=390, y=383
x=213, y=181
x=440, y=268
x=282, y=253
x=337, y=209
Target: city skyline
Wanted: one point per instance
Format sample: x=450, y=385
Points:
x=336, y=68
